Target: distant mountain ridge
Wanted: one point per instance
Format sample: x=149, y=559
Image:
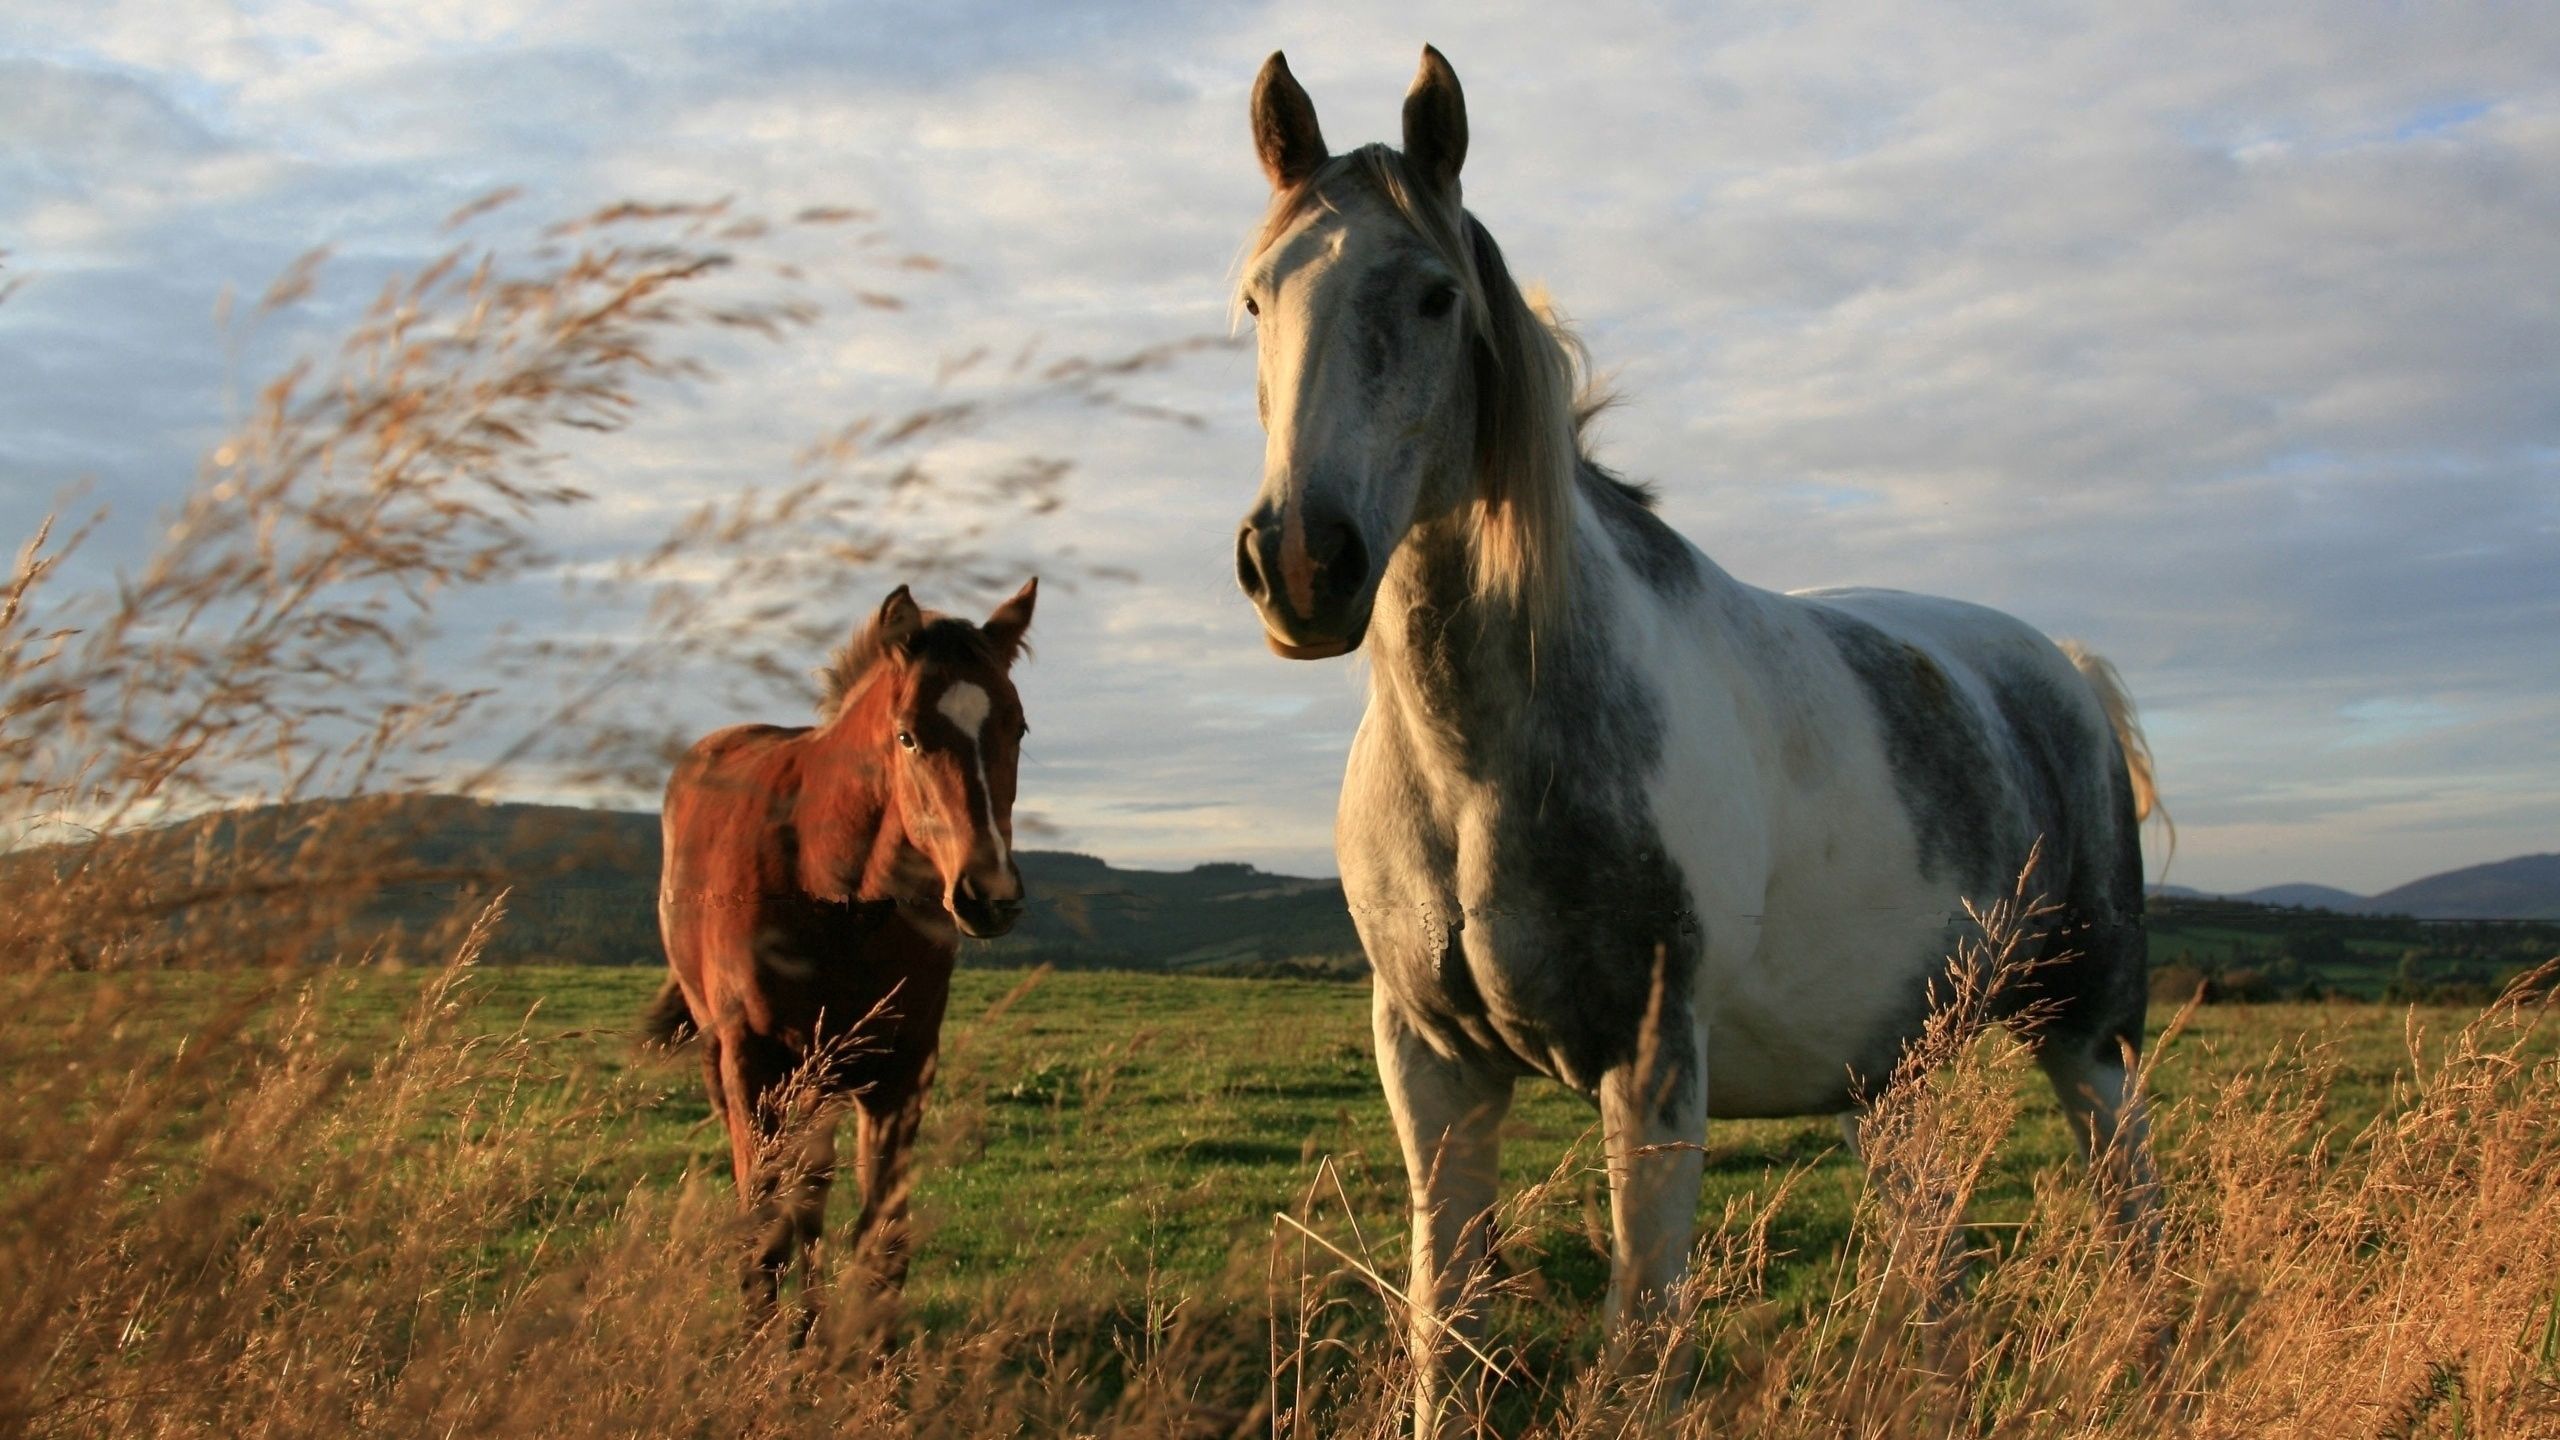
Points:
x=2302, y=896
x=2526, y=887
x=581, y=887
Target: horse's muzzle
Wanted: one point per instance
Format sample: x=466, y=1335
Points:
x=1312, y=587
x=985, y=911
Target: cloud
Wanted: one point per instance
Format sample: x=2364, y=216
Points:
x=2223, y=341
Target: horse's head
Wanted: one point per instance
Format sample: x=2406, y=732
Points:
x=952, y=731
x=1397, y=361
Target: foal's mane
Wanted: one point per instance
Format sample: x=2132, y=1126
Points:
x=1534, y=394
x=940, y=639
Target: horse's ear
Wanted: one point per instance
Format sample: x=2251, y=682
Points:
x=1012, y=618
x=1285, y=136
x=1435, y=122
x=897, y=622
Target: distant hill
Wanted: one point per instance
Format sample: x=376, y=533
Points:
x=2291, y=897
x=1219, y=916
x=2524, y=888
x=2306, y=897
x=582, y=889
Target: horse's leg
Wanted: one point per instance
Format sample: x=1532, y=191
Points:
x=733, y=1122
x=1653, y=1123
x=735, y=1109
x=890, y=1115
x=1448, y=1118
x=812, y=1174
x=2107, y=1120
x=754, y=1069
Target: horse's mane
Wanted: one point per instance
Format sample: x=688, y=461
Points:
x=1536, y=393
x=941, y=639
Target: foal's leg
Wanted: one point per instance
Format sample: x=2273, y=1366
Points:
x=2106, y=1115
x=888, y=1116
x=735, y=1108
x=809, y=1175
x=1448, y=1117
x=733, y=1122
x=1653, y=1123
x=753, y=1071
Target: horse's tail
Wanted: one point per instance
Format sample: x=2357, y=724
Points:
x=668, y=1022
x=2113, y=698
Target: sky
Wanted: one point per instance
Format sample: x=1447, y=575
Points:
x=2229, y=345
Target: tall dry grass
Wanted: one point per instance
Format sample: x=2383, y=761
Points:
x=260, y=1228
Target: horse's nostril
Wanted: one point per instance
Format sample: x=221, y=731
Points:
x=1343, y=567
x=1249, y=565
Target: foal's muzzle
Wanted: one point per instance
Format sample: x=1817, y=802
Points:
x=1312, y=586
x=986, y=906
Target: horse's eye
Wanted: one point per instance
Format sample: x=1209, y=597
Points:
x=1251, y=307
x=907, y=738
x=1437, y=300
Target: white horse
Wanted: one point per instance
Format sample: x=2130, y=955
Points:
x=1688, y=846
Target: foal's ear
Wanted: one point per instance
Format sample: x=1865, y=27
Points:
x=1012, y=618
x=1435, y=122
x=1285, y=136
x=897, y=622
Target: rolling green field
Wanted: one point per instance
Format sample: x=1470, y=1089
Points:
x=1168, y=1205
x=1138, y=1132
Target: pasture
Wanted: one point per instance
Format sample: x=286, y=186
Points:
x=444, y=1194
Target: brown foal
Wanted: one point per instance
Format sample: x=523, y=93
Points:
x=815, y=886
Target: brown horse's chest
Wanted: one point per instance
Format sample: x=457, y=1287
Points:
x=875, y=978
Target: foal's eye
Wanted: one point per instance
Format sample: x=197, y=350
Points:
x=1251, y=306
x=1437, y=300
x=907, y=739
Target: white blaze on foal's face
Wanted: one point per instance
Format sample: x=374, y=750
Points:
x=967, y=706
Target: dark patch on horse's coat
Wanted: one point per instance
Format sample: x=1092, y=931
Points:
x=1941, y=756
x=1652, y=549
x=1982, y=784
x=2092, y=979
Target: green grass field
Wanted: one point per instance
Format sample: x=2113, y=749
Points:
x=1138, y=1133
x=431, y=1175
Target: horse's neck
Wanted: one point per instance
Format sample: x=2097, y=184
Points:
x=1461, y=668
x=1472, y=680
x=849, y=847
